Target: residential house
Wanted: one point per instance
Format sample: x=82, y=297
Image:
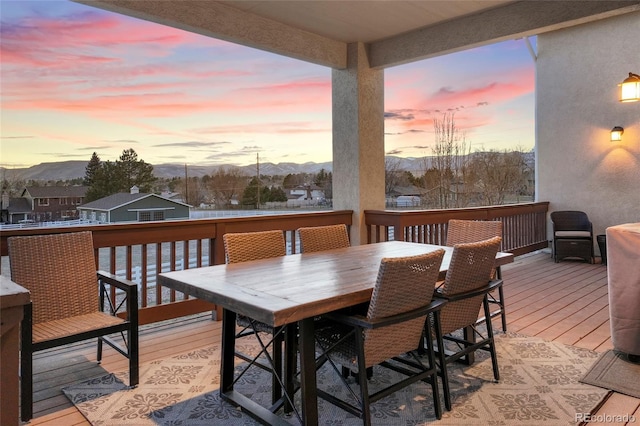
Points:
x=43, y=204
x=133, y=207
x=15, y=210
x=306, y=192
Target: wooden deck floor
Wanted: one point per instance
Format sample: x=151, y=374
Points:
x=565, y=302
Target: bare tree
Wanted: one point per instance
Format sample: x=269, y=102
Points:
x=194, y=191
x=497, y=175
x=446, y=176
x=226, y=185
x=394, y=175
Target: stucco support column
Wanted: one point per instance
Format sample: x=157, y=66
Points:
x=358, y=138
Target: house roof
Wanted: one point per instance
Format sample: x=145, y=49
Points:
x=116, y=201
x=19, y=205
x=55, y=191
x=407, y=190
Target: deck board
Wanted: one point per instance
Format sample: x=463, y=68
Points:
x=565, y=302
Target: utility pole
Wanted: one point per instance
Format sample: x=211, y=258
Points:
x=258, y=180
x=186, y=185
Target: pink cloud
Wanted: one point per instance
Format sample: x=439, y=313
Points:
x=54, y=65
x=472, y=105
x=302, y=127
x=98, y=30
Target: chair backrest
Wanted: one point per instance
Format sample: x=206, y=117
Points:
x=319, y=238
x=246, y=246
x=471, y=231
x=60, y=272
x=403, y=284
x=570, y=220
x=470, y=269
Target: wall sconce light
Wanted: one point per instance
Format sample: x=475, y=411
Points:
x=616, y=134
x=630, y=88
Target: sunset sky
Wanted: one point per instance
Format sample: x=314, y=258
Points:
x=76, y=79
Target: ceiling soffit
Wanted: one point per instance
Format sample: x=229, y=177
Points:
x=395, y=31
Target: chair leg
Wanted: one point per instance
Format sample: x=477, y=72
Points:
x=26, y=365
x=503, y=313
x=133, y=338
x=134, y=355
x=492, y=345
x=501, y=303
x=442, y=360
x=99, y=351
x=362, y=379
x=345, y=372
x=433, y=366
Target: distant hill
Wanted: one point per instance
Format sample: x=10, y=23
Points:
x=66, y=170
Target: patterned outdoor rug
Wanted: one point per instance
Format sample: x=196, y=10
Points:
x=539, y=386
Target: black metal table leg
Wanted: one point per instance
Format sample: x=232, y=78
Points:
x=308, y=373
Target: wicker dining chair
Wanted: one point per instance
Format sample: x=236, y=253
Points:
x=471, y=231
x=466, y=286
x=69, y=302
x=320, y=238
x=245, y=247
x=387, y=335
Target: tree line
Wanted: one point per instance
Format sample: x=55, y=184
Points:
x=227, y=186
x=222, y=188
x=452, y=177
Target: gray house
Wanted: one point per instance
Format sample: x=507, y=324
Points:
x=133, y=207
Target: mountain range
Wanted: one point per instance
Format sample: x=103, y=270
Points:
x=67, y=170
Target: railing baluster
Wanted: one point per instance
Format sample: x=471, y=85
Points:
x=158, y=270
x=172, y=267
x=143, y=279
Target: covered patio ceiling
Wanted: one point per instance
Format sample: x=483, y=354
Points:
x=395, y=31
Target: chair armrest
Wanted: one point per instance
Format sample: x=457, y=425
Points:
x=362, y=322
x=130, y=301
x=121, y=283
x=493, y=284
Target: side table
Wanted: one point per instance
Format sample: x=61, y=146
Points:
x=12, y=301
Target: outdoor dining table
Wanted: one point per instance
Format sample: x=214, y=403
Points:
x=289, y=290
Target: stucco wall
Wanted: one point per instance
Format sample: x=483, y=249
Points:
x=577, y=76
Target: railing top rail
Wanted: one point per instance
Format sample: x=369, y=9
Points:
x=409, y=217
x=112, y=235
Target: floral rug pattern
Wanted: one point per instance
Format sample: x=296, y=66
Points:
x=539, y=385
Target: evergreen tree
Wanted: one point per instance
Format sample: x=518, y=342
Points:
x=105, y=182
x=93, y=167
x=132, y=171
x=250, y=194
x=324, y=181
x=110, y=178
x=278, y=194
